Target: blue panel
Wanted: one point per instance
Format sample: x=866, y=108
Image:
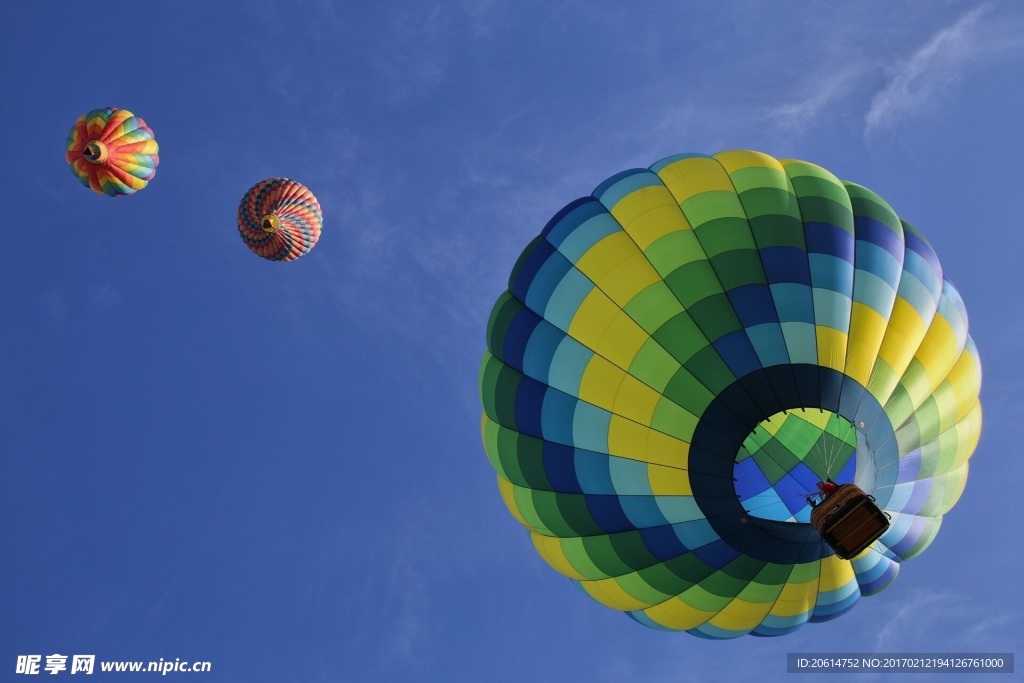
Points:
x=556, y=416
x=793, y=303
x=642, y=512
x=786, y=264
x=832, y=309
x=753, y=304
x=662, y=542
x=569, y=217
x=829, y=272
x=530, y=262
x=629, y=477
x=874, y=292
x=587, y=235
x=874, y=259
x=592, y=472
x=608, y=514
x=738, y=354
x=769, y=344
x=825, y=238
x=561, y=305
x=541, y=349
x=568, y=364
x=517, y=337
x=560, y=468
x=590, y=427
x=878, y=233
x=529, y=399
x=611, y=191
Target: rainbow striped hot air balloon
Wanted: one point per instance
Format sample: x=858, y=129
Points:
x=682, y=355
x=279, y=219
x=112, y=151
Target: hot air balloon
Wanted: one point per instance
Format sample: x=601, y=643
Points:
x=279, y=219
x=681, y=356
x=112, y=151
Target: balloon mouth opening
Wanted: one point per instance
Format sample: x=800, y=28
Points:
x=270, y=223
x=95, y=152
x=785, y=456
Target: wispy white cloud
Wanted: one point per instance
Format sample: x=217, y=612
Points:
x=941, y=62
x=820, y=94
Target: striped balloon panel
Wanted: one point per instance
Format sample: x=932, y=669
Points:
x=132, y=152
x=679, y=355
x=297, y=210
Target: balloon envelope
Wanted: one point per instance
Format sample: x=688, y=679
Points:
x=681, y=356
x=279, y=219
x=112, y=151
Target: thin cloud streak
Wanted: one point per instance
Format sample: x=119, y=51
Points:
x=934, y=67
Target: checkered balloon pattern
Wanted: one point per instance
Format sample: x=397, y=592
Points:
x=295, y=226
x=682, y=355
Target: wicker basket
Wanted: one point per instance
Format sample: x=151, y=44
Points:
x=849, y=521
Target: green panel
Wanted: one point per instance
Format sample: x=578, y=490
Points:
x=723, y=584
x=669, y=418
x=808, y=571
x=673, y=250
x=820, y=210
x=635, y=586
x=715, y=316
x=681, y=337
x=497, y=325
x=708, y=206
x=701, y=596
x=710, y=370
x=529, y=453
x=654, y=366
x=602, y=554
x=821, y=186
x=778, y=231
x=686, y=391
x=738, y=268
x=758, y=177
x=725, y=234
x=769, y=201
x=630, y=549
x=654, y=305
x=693, y=282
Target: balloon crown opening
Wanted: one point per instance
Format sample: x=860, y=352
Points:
x=270, y=223
x=95, y=152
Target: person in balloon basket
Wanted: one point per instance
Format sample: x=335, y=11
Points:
x=825, y=489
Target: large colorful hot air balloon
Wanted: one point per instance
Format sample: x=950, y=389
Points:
x=279, y=219
x=112, y=151
x=683, y=355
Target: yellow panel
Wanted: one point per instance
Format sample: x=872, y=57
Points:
x=867, y=329
x=796, y=599
x=636, y=400
x=507, y=490
x=649, y=214
x=628, y=279
x=621, y=341
x=965, y=378
x=906, y=330
x=663, y=449
x=550, y=549
x=939, y=350
x=600, y=383
x=592, y=318
x=741, y=615
x=668, y=481
x=608, y=592
x=736, y=160
x=835, y=573
x=689, y=177
x=968, y=432
x=604, y=256
x=627, y=439
x=831, y=347
x=676, y=614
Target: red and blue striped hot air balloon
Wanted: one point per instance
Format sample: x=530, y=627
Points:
x=279, y=219
x=112, y=151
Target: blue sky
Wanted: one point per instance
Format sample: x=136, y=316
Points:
x=277, y=468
